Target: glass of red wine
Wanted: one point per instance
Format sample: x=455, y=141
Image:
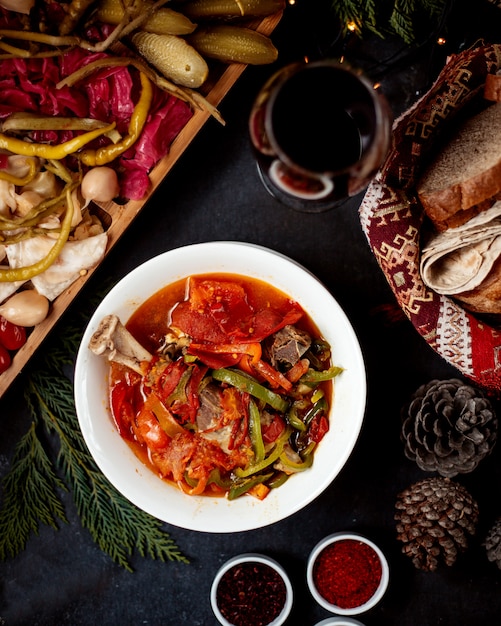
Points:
x=320, y=131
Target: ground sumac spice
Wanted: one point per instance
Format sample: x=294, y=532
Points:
x=251, y=594
x=347, y=573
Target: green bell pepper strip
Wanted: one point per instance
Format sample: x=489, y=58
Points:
x=294, y=420
x=250, y=385
x=167, y=421
x=240, y=487
x=179, y=393
x=317, y=408
x=319, y=353
x=255, y=432
x=278, y=480
x=243, y=472
x=306, y=463
x=313, y=377
x=215, y=477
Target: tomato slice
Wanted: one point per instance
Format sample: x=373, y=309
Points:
x=122, y=408
x=149, y=432
x=318, y=427
x=5, y=359
x=12, y=336
x=272, y=431
x=219, y=312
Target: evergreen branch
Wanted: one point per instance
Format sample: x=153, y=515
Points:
x=29, y=495
x=30, y=487
x=116, y=526
x=396, y=18
x=349, y=13
x=434, y=7
x=401, y=20
x=370, y=19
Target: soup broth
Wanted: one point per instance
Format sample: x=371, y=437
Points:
x=236, y=396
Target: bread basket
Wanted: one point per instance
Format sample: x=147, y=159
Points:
x=392, y=220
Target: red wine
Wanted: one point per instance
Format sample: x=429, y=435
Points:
x=318, y=118
x=320, y=132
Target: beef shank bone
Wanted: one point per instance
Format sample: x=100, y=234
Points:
x=114, y=342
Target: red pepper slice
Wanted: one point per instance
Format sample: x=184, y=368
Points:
x=318, y=428
x=272, y=431
x=169, y=379
x=187, y=407
x=122, y=408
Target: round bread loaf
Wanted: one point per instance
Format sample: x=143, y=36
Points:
x=465, y=176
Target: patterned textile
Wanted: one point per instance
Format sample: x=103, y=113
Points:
x=392, y=219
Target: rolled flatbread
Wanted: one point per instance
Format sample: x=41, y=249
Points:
x=459, y=259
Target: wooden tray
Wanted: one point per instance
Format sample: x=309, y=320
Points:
x=120, y=217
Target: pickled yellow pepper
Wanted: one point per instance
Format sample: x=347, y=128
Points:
x=27, y=272
x=21, y=181
x=106, y=154
x=48, y=151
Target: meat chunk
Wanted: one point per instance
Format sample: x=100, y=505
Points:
x=287, y=346
x=209, y=418
x=210, y=408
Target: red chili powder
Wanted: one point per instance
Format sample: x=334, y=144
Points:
x=347, y=573
x=251, y=594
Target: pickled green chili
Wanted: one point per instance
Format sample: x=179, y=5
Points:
x=26, y=273
x=20, y=181
x=47, y=151
x=244, y=382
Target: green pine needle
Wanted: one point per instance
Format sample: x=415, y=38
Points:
x=401, y=20
x=30, y=495
x=381, y=18
x=30, y=488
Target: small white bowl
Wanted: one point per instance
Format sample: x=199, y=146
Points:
x=378, y=592
x=253, y=558
x=339, y=621
x=156, y=496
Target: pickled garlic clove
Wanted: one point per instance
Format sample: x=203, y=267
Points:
x=25, y=308
x=100, y=184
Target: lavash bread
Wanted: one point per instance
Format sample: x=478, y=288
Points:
x=465, y=176
x=465, y=262
x=486, y=298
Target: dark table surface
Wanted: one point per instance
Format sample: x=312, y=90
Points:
x=214, y=193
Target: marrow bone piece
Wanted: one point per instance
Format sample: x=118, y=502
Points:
x=114, y=341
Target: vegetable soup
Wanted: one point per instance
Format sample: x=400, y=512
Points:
x=235, y=397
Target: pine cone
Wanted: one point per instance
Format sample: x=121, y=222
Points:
x=448, y=427
x=434, y=518
x=492, y=543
